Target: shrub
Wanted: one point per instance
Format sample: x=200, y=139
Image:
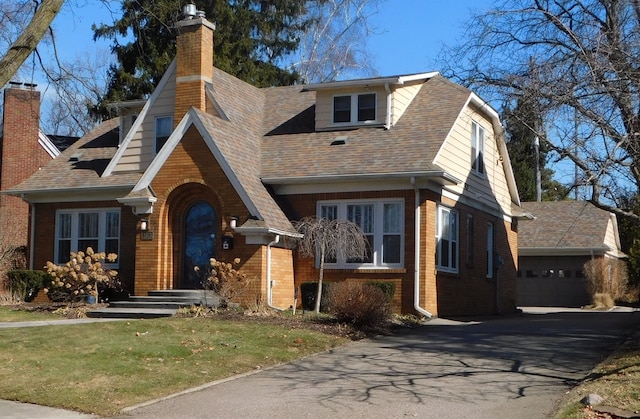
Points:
x=226, y=281
x=363, y=305
x=25, y=284
x=309, y=291
x=388, y=288
x=84, y=275
x=606, y=276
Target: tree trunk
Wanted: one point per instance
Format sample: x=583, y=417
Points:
x=28, y=39
x=320, y=275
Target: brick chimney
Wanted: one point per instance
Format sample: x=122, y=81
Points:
x=22, y=155
x=194, y=61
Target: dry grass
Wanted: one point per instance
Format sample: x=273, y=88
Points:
x=104, y=367
x=617, y=380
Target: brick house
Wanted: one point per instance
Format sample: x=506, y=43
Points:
x=211, y=166
x=24, y=149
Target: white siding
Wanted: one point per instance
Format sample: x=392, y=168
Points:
x=488, y=191
x=324, y=105
x=402, y=97
x=141, y=150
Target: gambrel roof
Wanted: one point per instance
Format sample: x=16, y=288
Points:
x=266, y=137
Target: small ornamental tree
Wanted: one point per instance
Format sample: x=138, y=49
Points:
x=81, y=276
x=329, y=240
x=224, y=280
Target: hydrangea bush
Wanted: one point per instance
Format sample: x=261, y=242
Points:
x=226, y=281
x=82, y=276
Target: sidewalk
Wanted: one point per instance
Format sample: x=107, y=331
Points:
x=6, y=325
x=15, y=410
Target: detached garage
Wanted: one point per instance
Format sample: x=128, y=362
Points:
x=553, y=247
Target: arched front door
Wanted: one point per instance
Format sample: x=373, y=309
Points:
x=199, y=244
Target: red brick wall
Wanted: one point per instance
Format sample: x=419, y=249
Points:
x=43, y=250
x=470, y=292
x=21, y=157
x=467, y=292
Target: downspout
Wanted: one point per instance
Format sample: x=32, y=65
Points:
x=387, y=119
x=416, y=273
x=32, y=235
x=269, y=284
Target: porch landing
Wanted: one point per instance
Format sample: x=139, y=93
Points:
x=160, y=303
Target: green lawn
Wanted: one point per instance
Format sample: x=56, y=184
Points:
x=104, y=367
x=9, y=313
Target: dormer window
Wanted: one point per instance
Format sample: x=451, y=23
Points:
x=355, y=108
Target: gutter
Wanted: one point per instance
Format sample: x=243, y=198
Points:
x=447, y=177
x=416, y=273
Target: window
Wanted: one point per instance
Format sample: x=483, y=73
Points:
x=490, y=250
x=351, y=109
x=382, y=224
x=447, y=240
x=477, y=148
x=79, y=229
x=164, y=126
x=470, y=239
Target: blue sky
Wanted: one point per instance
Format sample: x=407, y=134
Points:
x=409, y=32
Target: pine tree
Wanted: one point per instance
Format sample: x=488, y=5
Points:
x=251, y=37
x=522, y=125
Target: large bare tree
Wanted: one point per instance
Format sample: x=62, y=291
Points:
x=334, y=44
x=579, y=62
x=30, y=36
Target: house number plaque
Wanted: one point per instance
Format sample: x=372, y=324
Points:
x=146, y=235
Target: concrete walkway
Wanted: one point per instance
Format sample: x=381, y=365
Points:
x=451, y=368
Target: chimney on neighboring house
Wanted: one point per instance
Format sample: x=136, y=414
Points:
x=21, y=156
x=194, y=61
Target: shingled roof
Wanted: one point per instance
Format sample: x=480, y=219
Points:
x=576, y=226
x=270, y=133
x=292, y=148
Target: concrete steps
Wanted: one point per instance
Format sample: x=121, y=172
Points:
x=160, y=303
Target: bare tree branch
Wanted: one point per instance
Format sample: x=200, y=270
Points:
x=28, y=39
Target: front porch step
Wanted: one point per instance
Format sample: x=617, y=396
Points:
x=159, y=303
x=131, y=313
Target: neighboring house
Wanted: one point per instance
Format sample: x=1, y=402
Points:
x=24, y=149
x=212, y=166
x=554, y=246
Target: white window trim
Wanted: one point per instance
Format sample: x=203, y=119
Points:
x=441, y=268
x=478, y=139
x=354, y=109
x=155, y=130
x=74, y=232
x=378, y=232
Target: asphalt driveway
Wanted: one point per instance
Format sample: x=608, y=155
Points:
x=515, y=367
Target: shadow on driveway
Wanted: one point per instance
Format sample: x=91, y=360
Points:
x=516, y=367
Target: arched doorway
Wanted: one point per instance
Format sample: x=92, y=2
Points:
x=199, y=242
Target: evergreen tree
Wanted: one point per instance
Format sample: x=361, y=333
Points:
x=522, y=126
x=251, y=37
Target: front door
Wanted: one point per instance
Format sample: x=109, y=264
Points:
x=199, y=246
